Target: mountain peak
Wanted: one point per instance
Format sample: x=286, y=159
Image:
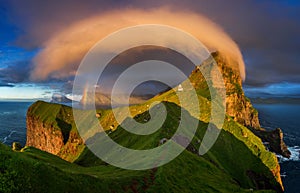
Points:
x=238, y=106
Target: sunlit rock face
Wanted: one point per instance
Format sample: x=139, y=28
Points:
x=43, y=136
x=51, y=130
x=238, y=106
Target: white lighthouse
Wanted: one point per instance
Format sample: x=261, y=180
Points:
x=180, y=89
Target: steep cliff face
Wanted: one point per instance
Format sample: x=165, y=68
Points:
x=237, y=104
x=52, y=130
x=239, y=107
x=43, y=136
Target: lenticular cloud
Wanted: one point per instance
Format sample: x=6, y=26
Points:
x=62, y=53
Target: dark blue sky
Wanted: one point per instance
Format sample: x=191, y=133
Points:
x=267, y=31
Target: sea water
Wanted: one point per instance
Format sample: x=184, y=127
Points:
x=13, y=121
x=286, y=117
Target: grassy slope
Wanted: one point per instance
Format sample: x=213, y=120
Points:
x=225, y=168
x=242, y=133
x=221, y=170
x=35, y=171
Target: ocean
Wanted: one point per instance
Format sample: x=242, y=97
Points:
x=284, y=116
x=13, y=121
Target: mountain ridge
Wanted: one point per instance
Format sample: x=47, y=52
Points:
x=238, y=161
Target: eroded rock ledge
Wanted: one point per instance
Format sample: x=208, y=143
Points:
x=274, y=141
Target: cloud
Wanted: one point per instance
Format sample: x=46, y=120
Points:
x=266, y=67
x=135, y=55
x=6, y=85
x=16, y=73
x=62, y=52
x=266, y=31
x=283, y=89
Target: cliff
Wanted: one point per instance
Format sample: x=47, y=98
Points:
x=274, y=141
x=238, y=106
x=52, y=130
x=43, y=136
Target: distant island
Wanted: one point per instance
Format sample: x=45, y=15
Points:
x=277, y=100
x=60, y=98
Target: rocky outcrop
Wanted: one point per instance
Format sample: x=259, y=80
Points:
x=274, y=141
x=242, y=111
x=16, y=146
x=238, y=106
x=43, y=136
x=51, y=130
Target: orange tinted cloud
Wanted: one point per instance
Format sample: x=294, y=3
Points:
x=62, y=52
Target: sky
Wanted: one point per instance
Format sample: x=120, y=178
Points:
x=266, y=32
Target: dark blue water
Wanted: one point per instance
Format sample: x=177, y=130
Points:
x=286, y=117
x=13, y=122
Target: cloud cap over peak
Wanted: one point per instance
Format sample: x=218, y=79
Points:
x=63, y=52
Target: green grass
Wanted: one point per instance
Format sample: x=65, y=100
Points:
x=223, y=169
x=36, y=171
x=237, y=162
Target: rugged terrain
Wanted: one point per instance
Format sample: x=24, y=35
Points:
x=238, y=161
